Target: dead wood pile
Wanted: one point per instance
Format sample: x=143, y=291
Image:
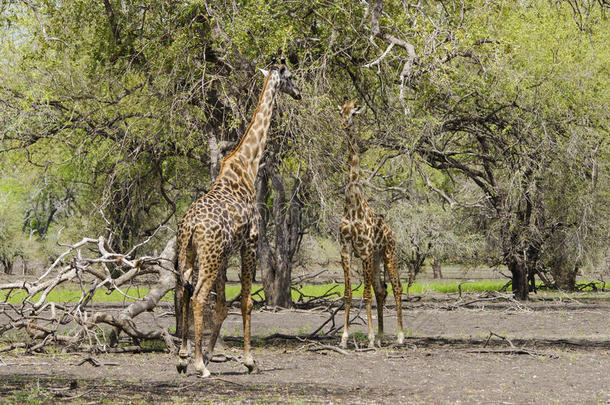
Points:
x=76, y=324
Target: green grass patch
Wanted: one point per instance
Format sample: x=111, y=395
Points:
x=72, y=294
x=454, y=286
x=66, y=294
x=417, y=288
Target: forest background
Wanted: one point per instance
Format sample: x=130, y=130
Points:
x=484, y=140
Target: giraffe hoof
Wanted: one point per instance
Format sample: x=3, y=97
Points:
x=181, y=368
x=201, y=369
x=252, y=368
x=205, y=373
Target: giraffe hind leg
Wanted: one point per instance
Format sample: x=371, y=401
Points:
x=209, y=264
x=183, y=353
x=367, y=264
x=221, y=314
x=347, y=294
x=199, y=300
x=248, y=262
x=185, y=289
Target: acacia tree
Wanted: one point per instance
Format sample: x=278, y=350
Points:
x=130, y=104
x=476, y=97
x=134, y=110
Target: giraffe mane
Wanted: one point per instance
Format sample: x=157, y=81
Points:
x=260, y=97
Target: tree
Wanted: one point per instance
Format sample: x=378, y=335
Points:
x=281, y=209
x=489, y=106
x=129, y=106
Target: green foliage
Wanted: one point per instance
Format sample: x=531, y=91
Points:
x=502, y=115
x=13, y=242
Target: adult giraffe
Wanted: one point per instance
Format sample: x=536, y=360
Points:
x=221, y=222
x=369, y=236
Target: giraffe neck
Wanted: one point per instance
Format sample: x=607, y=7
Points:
x=354, y=194
x=242, y=164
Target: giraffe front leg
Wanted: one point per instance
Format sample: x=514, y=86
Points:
x=248, y=262
x=367, y=264
x=347, y=294
x=381, y=293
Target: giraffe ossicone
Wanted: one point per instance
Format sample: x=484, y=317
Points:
x=223, y=222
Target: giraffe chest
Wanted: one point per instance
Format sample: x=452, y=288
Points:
x=360, y=234
x=364, y=229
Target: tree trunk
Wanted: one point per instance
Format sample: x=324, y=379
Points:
x=276, y=283
x=7, y=264
x=436, y=267
x=564, y=275
x=276, y=259
x=520, y=279
x=532, y=281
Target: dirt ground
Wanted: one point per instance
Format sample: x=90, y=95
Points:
x=561, y=355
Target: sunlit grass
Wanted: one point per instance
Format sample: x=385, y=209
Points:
x=417, y=287
x=453, y=287
x=66, y=294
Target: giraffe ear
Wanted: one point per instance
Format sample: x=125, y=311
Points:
x=265, y=72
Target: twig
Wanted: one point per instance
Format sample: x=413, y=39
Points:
x=96, y=363
x=91, y=360
x=365, y=349
x=513, y=351
x=227, y=381
x=223, y=358
x=499, y=336
x=328, y=347
x=330, y=319
x=78, y=396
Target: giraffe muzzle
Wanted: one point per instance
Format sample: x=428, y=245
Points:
x=294, y=93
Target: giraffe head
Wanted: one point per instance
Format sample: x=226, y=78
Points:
x=348, y=110
x=285, y=77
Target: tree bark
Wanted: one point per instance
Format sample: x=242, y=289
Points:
x=564, y=276
x=436, y=267
x=520, y=279
x=276, y=259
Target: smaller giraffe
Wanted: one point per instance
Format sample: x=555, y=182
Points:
x=371, y=239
